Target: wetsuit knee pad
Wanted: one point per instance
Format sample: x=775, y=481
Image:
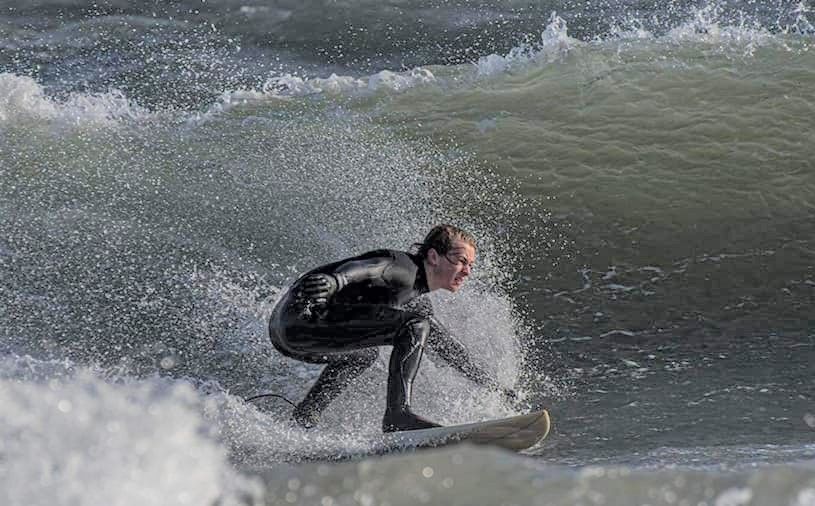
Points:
x=416, y=331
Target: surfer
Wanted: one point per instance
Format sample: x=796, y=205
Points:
x=337, y=315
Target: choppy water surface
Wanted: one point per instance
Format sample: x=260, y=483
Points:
x=639, y=176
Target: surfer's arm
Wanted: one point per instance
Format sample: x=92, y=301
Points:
x=320, y=287
x=442, y=343
x=356, y=271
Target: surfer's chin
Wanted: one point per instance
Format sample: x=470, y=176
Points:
x=455, y=286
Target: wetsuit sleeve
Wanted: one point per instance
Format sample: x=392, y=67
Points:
x=449, y=349
x=356, y=271
x=441, y=343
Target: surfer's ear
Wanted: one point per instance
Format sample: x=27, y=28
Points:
x=432, y=256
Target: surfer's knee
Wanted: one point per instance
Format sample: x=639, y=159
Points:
x=416, y=331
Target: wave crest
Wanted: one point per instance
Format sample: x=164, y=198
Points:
x=22, y=99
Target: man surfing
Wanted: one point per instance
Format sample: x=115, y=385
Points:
x=337, y=315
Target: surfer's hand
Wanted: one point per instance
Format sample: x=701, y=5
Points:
x=318, y=288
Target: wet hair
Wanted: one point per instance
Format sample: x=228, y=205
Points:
x=441, y=238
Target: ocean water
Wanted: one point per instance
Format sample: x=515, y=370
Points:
x=639, y=176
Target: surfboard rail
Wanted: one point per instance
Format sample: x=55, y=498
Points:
x=513, y=433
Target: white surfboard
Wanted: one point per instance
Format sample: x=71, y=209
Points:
x=514, y=433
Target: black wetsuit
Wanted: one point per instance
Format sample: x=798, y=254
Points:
x=378, y=303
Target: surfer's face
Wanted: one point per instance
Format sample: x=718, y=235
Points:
x=449, y=271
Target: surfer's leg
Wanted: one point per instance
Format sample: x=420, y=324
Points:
x=407, y=332
x=334, y=379
x=344, y=337
x=352, y=328
x=406, y=357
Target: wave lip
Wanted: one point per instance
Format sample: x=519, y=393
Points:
x=554, y=43
x=22, y=99
x=289, y=85
x=706, y=26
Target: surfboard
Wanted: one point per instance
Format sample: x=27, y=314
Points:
x=514, y=433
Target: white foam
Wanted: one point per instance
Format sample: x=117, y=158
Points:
x=631, y=34
x=736, y=496
x=706, y=27
x=554, y=44
x=23, y=99
x=289, y=85
x=268, y=14
x=800, y=24
x=806, y=497
x=71, y=438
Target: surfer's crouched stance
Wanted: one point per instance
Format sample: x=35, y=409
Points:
x=338, y=313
